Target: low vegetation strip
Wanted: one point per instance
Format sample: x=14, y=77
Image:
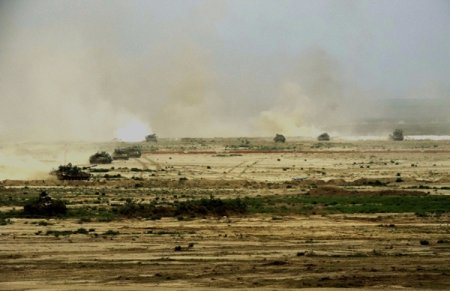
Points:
x=44, y=206
x=190, y=208
x=308, y=204
x=337, y=191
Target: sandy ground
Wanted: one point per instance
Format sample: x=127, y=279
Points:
x=299, y=252
x=258, y=252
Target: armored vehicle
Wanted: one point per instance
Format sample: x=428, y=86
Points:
x=45, y=206
x=120, y=154
x=151, y=138
x=133, y=152
x=126, y=153
x=323, y=137
x=100, y=158
x=397, y=135
x=69, y=172
x=279, y=138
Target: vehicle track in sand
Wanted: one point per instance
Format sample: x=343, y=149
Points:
x=227, y=172
x=154, y=163
x=142, y=163
x=245, y=166
x=144, y=166
x=248, y=167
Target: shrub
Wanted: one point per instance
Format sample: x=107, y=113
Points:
x=81, y=230
x=192, y=208
x=5, y=221
x=57, y=233
x=99, y=170
x=212, y=206
x=108, y=176
x=111, y=232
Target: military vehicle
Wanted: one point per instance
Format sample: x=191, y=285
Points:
x=126, y=153
x=100, y=158
x=243, y=142
x=120, y=154
x=279, y=138
x=44, y=206
x=323, y=137
x=133, y=151
x=397, y=135
x=151, y=138
x=69, y=172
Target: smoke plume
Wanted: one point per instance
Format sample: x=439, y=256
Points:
x=81, y=70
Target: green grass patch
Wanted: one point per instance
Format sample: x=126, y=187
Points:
x=274, y=205
x=305, y=204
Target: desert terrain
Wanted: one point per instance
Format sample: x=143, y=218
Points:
x=230, y=213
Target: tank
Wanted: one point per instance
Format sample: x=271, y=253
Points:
x=397, y=135
x=70, y=172
x=133, y=152
x=100, y=158
x=279, y=138
x=323, y=137
x=151, y=138
x=45, y=206
x=126, y=153
x=120, y=154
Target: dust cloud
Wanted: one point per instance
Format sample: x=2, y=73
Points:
x=37, y=160
x=311, y=99
x=72, y=71
x=22, y=167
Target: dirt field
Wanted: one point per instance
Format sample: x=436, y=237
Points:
x=270, y=249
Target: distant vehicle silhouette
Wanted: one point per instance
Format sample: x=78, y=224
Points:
x=279, y=138
x=100, y=158
x=323, y=137
x=397, y=135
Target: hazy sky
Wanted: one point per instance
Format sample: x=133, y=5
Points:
x=81, y=69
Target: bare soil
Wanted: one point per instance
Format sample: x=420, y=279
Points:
x=259, y=252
